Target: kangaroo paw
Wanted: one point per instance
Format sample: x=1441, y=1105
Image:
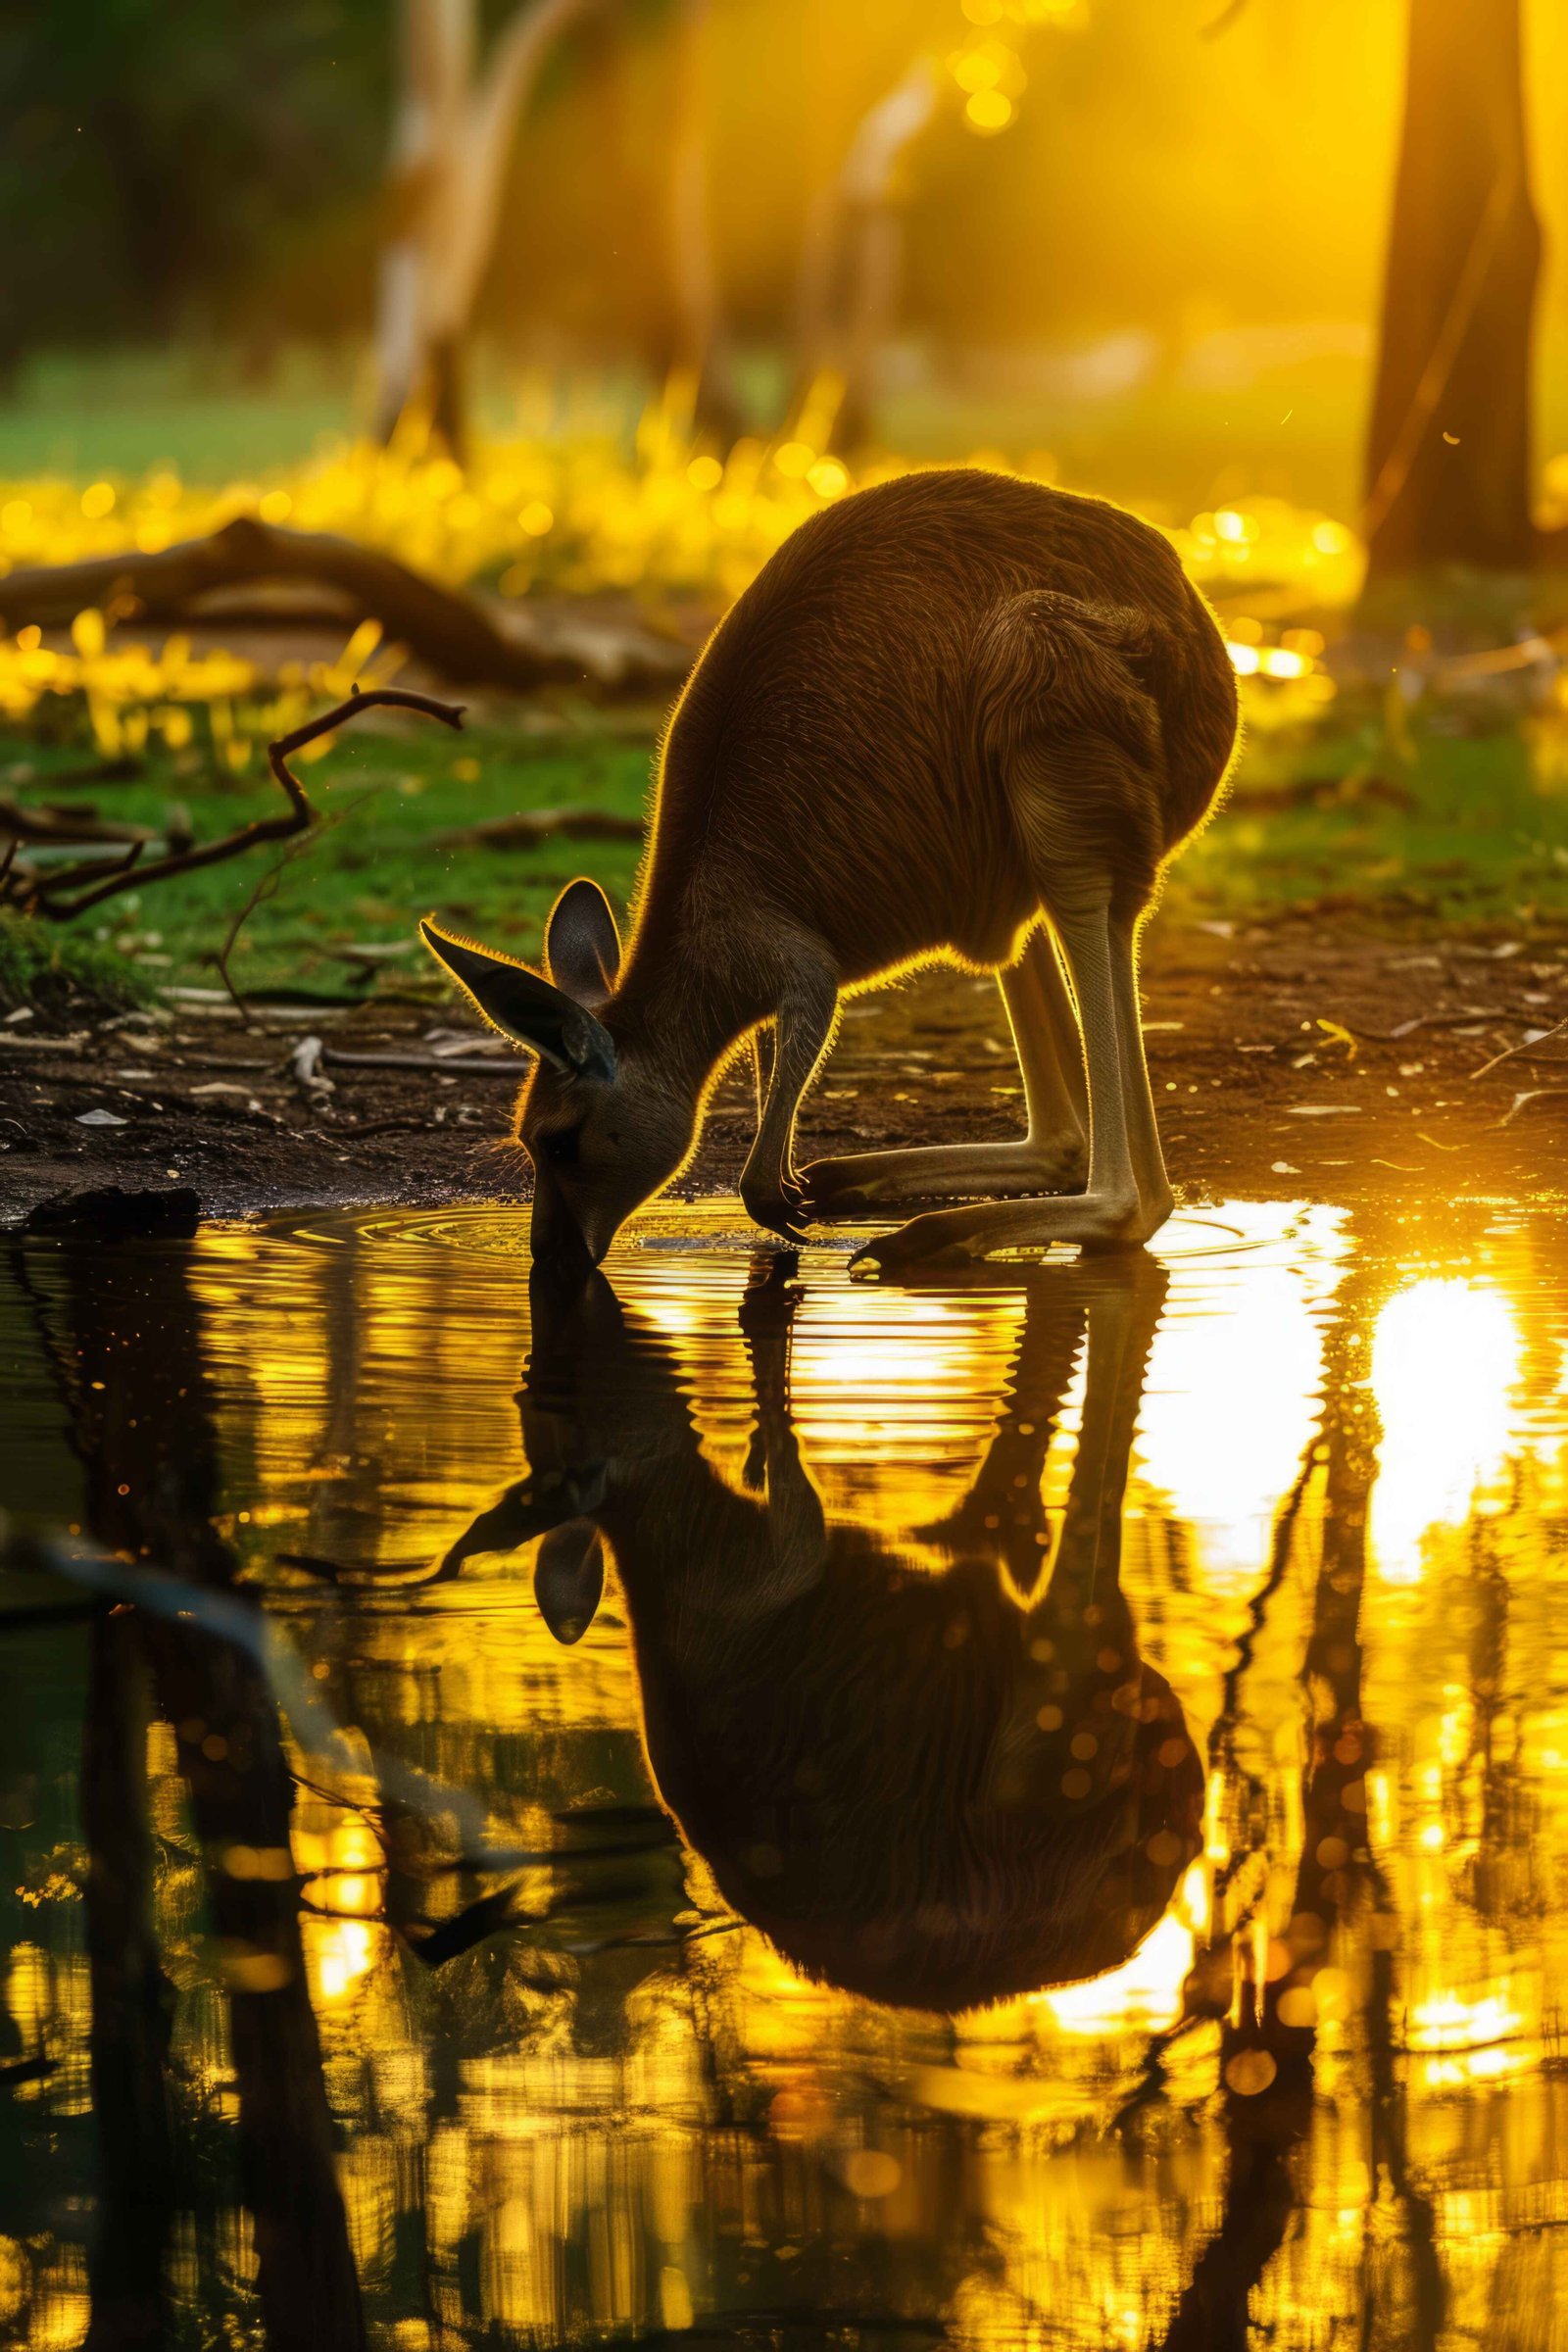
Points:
x=1092, y=1220
x=781, y=1207
x=924, y=1242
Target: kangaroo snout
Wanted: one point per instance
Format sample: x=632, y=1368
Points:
x=555, y=1236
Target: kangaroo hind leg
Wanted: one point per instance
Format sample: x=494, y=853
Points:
x=1127, y=1197
x=1051, y=1158
x=1086, y=778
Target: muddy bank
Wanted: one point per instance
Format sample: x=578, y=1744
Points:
x=1282, y=1063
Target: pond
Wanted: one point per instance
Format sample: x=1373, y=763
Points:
x=755, y=1806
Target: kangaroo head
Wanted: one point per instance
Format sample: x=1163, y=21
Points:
x=602, y=1119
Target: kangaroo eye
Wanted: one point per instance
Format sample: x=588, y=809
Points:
x=561, y=1147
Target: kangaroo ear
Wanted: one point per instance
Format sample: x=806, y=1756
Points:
x=523, y=1005
x=583, y=947
x=568, y=1579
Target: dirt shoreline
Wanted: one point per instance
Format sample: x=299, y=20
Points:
x=1256, y=1094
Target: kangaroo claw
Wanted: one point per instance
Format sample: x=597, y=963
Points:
x=783, y=1210
x=923, y=1241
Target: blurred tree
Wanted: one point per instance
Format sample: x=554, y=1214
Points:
x=162, y=155
x=694, y=360
x=853, y=263
x=1449, y=461
x=452, y=136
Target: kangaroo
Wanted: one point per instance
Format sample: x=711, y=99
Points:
x=956, y=715
x=935, y=1790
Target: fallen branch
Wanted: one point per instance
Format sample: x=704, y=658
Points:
x=1464, y=1020
x=1534, y=1093
x=50, y=893
x=446, y=627
x=447, y=1065
x=71, y=831
x=1526, y=1044
x=533, y=825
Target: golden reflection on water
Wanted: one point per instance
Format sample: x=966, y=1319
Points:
x=1323, y=2089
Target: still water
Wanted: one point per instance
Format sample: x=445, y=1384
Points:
x=746, y=1805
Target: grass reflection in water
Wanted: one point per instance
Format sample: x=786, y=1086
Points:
x=1023, y=1810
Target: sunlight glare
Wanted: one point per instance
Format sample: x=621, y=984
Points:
x=1445, y=1358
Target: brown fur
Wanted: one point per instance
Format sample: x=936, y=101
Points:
x=944, y=704
x=843, y=761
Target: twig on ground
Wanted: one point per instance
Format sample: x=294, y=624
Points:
x=125, y=769
x=49, y=895
x=1534, y=1094
x=358, y=1129
x=73, y=831
x=1526, y=1044
x=1397, y=1036
x=497, y=1066
x=263, y=890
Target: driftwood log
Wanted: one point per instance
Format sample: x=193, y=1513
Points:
x=451, y=630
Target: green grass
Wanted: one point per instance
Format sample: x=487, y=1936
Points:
x=1448, y=829
x=45, y=962
x=132, y=412
x=1424, y=826
x=1174, y=441
x=1436, y=830
x=373, y=866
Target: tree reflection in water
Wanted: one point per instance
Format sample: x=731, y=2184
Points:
x=125, y=1339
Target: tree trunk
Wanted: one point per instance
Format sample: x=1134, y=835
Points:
x=1449, y=458
x=436, y=67
x=851, y=266
x=697, y=360
x=132, y=2003
x=452, y=137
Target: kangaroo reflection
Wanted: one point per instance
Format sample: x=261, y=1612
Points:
x=936, y=1790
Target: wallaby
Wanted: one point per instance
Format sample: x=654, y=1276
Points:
x=936, y=1790
x=955, y=716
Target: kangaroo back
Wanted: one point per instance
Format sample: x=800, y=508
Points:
x=838, y=755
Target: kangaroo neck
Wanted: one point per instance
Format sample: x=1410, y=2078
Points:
x=683, y=1003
